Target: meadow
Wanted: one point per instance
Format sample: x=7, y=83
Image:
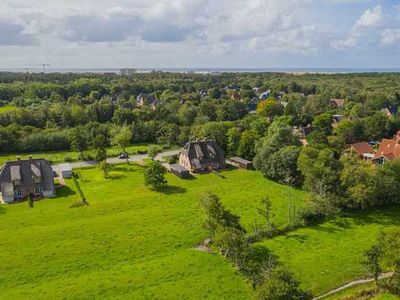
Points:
x=355, y=291
x=328, y=255
x=134, y=243
x=130, y=242
x=71, y=156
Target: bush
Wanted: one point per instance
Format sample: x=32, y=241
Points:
x=68, y=159
x=310, y=216
x=281, y=285
x=172, y=159
x=153, y=150
x=154, y=175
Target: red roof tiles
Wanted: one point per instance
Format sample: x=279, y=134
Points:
x=389, y=149
x=361, y=148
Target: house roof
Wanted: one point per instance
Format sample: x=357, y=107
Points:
x=240, y=160
x=178, y=168
x=338, y=118
x=236, y=96
x=391, y=110
x=362, y=148
x=25, y=173
x=147, y=97
x=389, y=149
x=307, y=130
x=337, y=102
x=203, y=152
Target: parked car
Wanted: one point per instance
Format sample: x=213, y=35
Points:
x=123, y=156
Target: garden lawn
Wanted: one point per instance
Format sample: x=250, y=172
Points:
x=329, y=255
x=130, y=243
x=65, y=155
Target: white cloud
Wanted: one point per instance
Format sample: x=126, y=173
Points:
x=371, y=18
x=391, y=37
x=152, y=32
x=373, y=29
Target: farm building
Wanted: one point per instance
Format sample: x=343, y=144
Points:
x=179, y=171
x=21, y=178
x=241, y=163
x=202, y=156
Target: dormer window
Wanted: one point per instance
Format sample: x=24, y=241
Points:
x=36, y=173
x=16, y=178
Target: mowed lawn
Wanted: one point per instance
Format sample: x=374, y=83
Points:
x=65, y=155
x=330, y=254
x=130, y=243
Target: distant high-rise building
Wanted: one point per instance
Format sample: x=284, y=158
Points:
x=127, y=71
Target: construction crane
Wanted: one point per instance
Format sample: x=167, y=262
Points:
x=44, y=66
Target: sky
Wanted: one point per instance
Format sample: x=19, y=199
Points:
x=200, y=33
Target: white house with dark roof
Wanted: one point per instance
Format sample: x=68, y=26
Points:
x=21, y=178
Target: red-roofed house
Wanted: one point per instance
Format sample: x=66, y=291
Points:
x=363, y=150
x=389, y=150
x=337, y=103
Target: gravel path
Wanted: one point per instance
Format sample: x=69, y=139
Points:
x=353, y=283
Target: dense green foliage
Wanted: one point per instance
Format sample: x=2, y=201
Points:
x=154, y=175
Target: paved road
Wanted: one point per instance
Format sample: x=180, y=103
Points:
x=115, y=160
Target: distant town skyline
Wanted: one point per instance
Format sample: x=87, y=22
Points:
x=200, y=33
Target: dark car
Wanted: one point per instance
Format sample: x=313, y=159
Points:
x=123, y=156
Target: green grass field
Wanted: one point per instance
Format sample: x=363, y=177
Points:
x=352, y=293
x=330, y=254
x=6, y=108
x=129, y=243
x=133, y=243
x=62, y=156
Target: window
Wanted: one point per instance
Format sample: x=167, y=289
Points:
x=17, y=192
x=38, y=189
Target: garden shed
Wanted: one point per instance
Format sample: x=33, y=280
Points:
x=179, y=171
x=241, y=163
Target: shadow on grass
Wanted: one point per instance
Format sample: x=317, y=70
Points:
x=64, y=191
x=116, y=176
x=260, y=254
x=125, y=168
x=301, y=238
x=190, y=178
x=171, y=189
x=2, y=209
x=388, y=215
